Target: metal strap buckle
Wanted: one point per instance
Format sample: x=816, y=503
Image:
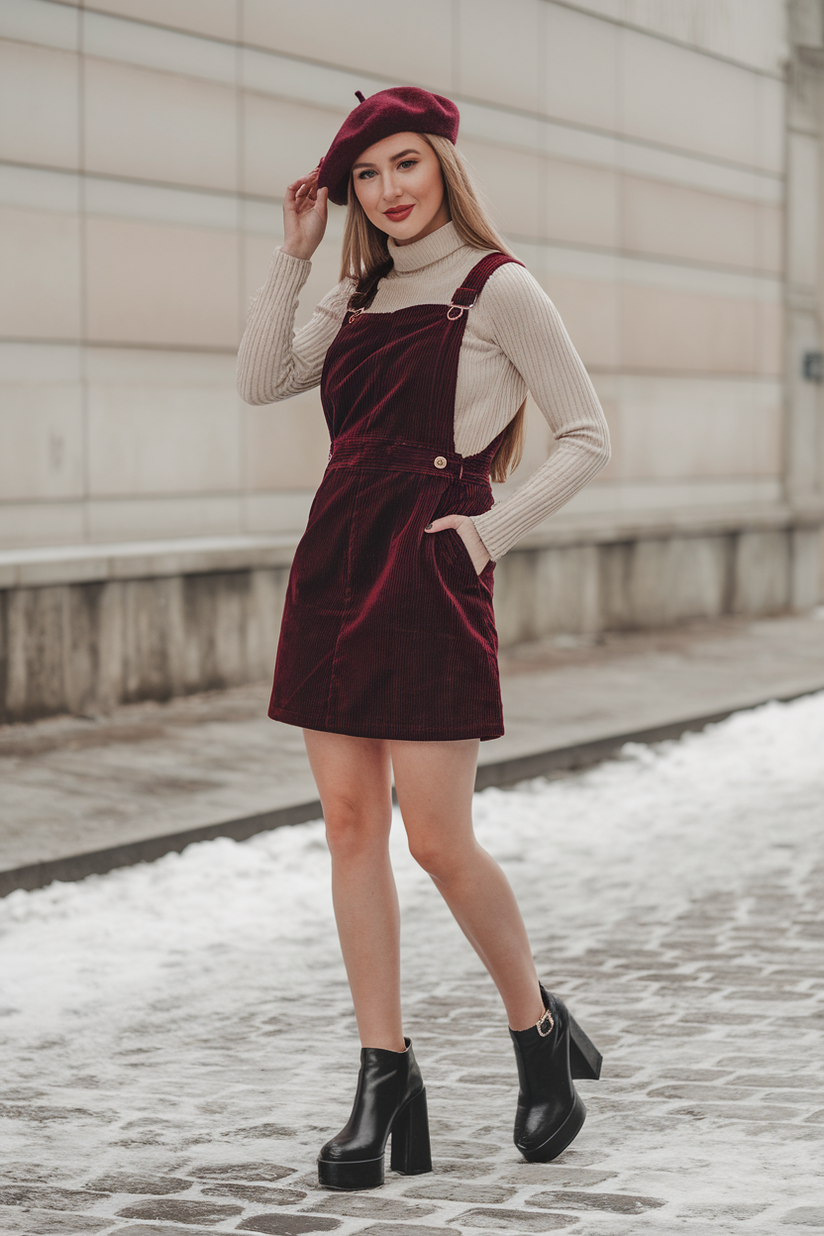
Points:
x=462, y=300
x=355, y=314
x=547, y=1021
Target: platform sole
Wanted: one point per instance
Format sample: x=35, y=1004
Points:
x=557, y=1143
x=411, y=1154
x=357, y=1174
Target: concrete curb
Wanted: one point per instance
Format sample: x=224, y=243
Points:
x=98, y=862
x=501, y=773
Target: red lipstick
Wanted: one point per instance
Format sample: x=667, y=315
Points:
x=398, y=213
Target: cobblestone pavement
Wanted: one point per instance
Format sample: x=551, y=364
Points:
x=178, y=1040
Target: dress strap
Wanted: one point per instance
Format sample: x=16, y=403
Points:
x=464, y=297
x=366, y=290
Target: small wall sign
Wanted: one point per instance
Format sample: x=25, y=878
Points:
x=813, y=366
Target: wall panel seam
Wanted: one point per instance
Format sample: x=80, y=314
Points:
x=681, y=375
x=249, y=195
x=122, y=344
x=620, y=139
x=541, y=117
x=774, y=75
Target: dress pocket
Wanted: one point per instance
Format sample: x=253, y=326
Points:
x=452, y=552
x=457, y=556
x=466, y=592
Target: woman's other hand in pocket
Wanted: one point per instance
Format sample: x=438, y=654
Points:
x=468, y=533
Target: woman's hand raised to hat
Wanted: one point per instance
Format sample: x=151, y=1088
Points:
x=304, y=216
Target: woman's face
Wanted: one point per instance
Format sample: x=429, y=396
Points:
x=399, y=184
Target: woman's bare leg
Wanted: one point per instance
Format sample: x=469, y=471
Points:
x=434, y=783
x=353, y=777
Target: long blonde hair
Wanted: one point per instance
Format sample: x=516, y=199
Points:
x=366, y=259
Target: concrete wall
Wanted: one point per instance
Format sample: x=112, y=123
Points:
x=635, y=153
x=84, y=648
x=81, y=632
x=655, y=165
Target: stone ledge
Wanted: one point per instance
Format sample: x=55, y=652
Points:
x=561, y=530
x=43, y=566
x=74, y=564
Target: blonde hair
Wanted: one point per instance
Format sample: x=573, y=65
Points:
x=365, y=258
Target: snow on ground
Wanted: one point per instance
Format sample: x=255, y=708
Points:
x=650, y=830
x=115, y=986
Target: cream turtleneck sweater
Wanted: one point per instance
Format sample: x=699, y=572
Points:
x=514, y=341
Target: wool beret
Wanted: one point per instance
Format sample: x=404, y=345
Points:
x=402, y=109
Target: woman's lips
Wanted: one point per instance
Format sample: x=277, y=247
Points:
x=399, y=213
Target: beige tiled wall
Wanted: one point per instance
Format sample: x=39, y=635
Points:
x=633, y=152
x=156, y=126
x=158, y=424
x=214, y=18
x=40, y=274
x=366, y=36
x=39, y=105
x=41, y=426
x=152, y=284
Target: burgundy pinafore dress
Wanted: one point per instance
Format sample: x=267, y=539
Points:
x=387, y=630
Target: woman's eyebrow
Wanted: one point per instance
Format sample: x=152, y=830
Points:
x=392, y=158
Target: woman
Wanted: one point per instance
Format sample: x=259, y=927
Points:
x=388, y=653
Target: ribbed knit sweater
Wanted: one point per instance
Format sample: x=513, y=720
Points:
x=514, y=341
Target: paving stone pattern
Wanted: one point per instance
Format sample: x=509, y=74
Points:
x=693, y=958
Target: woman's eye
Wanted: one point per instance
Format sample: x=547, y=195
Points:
x=366, y=175
x=408, y=163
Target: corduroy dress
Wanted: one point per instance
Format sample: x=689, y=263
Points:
x=387, y=631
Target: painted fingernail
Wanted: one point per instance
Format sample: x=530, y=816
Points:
x=428, y=528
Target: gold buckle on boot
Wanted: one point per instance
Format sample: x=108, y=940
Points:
x=546, y=1025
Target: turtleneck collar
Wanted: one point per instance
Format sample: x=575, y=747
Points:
x=432, y=248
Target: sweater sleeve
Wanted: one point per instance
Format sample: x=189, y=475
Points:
x=522, y=321
x=274, y=361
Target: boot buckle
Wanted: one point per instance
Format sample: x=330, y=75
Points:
x=546, y=1025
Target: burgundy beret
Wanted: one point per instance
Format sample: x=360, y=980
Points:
x=403, y=109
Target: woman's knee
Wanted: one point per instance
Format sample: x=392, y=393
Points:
x=354, y=824
x=441, y=856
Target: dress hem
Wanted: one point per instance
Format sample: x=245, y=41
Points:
x=365, y=731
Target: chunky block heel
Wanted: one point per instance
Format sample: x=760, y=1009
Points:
x=390, y=1098
x=585, y=1060
x=411, y=1153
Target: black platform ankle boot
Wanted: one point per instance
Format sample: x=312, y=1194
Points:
x=390, y=1098
x=549, y=1055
